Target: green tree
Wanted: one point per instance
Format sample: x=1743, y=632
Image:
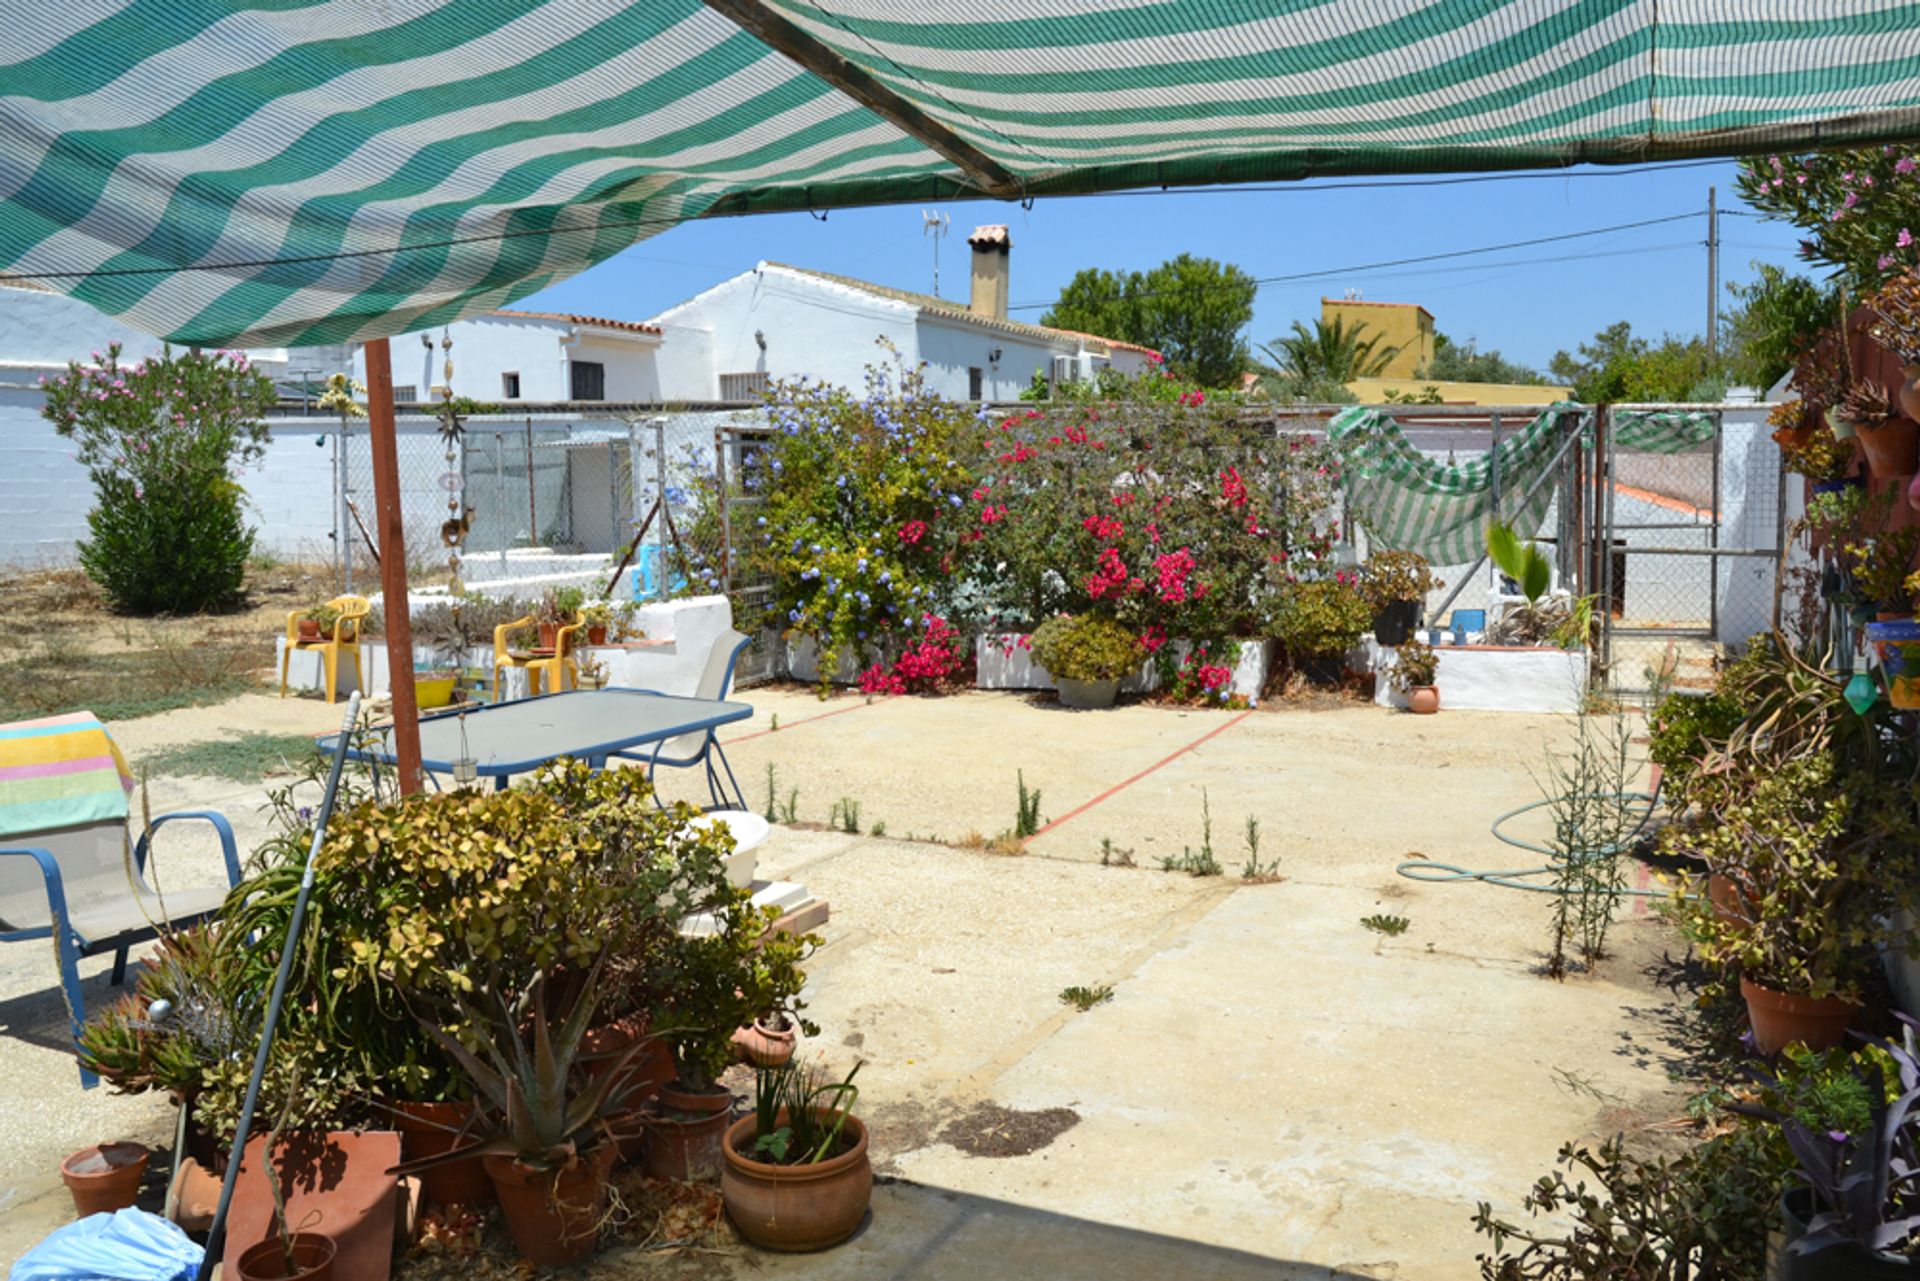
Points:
x=1619, y=366
x=1191, y=310
x=1464, y=362
x=162, y=439
x=1308, y=364
x=1773, y=319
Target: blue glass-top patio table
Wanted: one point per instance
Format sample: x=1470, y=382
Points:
x=504, y=739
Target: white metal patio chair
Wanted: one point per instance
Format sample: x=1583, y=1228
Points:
x=702, y=748
x=71, y=884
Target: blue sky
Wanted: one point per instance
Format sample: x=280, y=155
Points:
x=1525, y=302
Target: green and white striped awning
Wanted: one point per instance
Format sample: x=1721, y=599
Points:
x=299, y=171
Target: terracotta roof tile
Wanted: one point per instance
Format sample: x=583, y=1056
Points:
x=595, y=322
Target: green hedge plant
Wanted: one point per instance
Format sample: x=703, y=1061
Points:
x=1086, y=647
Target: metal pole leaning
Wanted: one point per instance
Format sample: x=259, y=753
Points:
x=217, y=1233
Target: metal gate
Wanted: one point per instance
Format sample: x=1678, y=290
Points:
x=741, y=475
x=1683, y=548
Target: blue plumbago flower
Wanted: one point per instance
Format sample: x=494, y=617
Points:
x=760, y=520
x=863, y=599
x=816, y=549
x=861, y=636
x=862, y=564
x=953, y=500
x=776, y=464
x=886, y=575
x=793, y=615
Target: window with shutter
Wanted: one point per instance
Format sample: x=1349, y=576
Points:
x=589, y=380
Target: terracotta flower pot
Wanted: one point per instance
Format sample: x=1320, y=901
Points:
x=648, y=1069
x=597, y=635
x=765, y=1043
x=309, y=630
x=105, y=1177
x=796, y=1207
x=1779, y=1018
x=1728, y=903
x=553, y=1215
x=1423, y=700
x=549, y=635
x=428, y=1129
x=1792, y=437
x=1908, y=393
x=266, y=1261
x=1892, y=448
x=685, y=1132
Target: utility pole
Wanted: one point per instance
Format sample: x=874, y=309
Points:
x=1713, y=271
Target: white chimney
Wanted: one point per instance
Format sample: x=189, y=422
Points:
x=991, y=245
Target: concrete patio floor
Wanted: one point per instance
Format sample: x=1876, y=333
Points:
x=1273, y=1090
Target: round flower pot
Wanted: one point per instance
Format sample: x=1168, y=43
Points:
x=267, y=1261
x=1792, y=437
x=1896, y=642
x=597, y=635
x=1423, y=700
x=429, y=1129
x=1845, y=1262
x=309, y=630
x=433, y=691
x=1842, y=428
x=1892, y=448
x=553, y=1215
x=1087, y=694
x=1728, y=905
x=796, y=1207
x=1395, y=622
x=766, y=1042
x=1780, y=1019
x=549, y=635
x=650, y=1068
x=105, y=1177
x=685, y=1132
x=1908, y=393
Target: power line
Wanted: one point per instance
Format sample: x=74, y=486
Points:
x=1263, y=281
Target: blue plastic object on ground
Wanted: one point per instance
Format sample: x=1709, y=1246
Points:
x=127, y=1245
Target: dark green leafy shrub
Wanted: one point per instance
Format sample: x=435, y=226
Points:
x=1686, y=727
x=162, y=439
x=1086, y=648
x=1322, y=618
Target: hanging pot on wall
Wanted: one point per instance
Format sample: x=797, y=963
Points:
x=1892, y=448
x=1842, y=428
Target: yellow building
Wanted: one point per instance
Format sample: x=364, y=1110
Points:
x=1405, y=325
x=1373, y=391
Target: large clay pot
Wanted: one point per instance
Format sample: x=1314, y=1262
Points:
x=309, y=630
x=549, y=635
x=1728, y=903
x=1423, y=700
x=1087, y=694
x=1892, y=448
x=428, y=1129
x=105, y=1177
x=597, y=635
x=1780, y=1019
x=685, y=1132
x=1908, y=392
x=1847, y=1262
x=1792, y=437
x=796, y=1207
x=553, y=1215
x=1395, y=622
x=313, y=1256
x=601, y=1051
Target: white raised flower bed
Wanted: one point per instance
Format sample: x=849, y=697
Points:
x=1495, y=678
x=1005, y=663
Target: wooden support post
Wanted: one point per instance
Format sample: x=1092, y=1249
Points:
x=393, y=565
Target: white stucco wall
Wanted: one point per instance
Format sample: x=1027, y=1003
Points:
x=487, y=347
x=950, y=348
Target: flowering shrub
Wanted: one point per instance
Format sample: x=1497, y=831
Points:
x=1860, y=207
x=933, y=662
x=161, y=439
x=865, y=496
x=1086, y=648
x=1322, y=618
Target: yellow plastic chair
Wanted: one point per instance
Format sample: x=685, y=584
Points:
x=344, y=639
x=562, y=670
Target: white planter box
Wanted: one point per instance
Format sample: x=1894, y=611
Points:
x=803, y=663
x=1496, y=678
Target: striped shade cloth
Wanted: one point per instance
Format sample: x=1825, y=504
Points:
x=1410, y=502
x=57, y=772
x=289, y=172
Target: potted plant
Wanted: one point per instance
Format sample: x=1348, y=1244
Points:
x=1414, y=669
x=1544, y=617
x=1396, y=584
x=1825, y=462
x=1318, y=621
x=317, y=623
x=1791, y=423
x=559, y=607
x=1888, y=440
x=713, y=984
x=1856, y=1217
x=1881, y=565
x=597, y=617
x=1896, y=308
x=797, y=1174
x=1799, y=840
x=104, y=1177
x=1087, y=656
x=1822, y=375
x=591, y=674
x=288, y=1254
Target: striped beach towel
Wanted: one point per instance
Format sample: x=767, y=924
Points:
x=59, y=771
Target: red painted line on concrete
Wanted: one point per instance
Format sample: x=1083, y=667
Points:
x=761, y=733
x=1704, y=514
x=1123, y=785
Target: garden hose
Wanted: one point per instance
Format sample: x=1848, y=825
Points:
x=1420, y=869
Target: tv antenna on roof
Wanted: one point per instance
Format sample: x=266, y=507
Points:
x=935, y=225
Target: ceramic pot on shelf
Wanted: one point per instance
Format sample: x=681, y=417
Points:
x=766, y=1042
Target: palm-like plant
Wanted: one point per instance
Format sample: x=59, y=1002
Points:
x=1325, y=356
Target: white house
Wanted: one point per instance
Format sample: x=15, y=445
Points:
x=771, y=323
